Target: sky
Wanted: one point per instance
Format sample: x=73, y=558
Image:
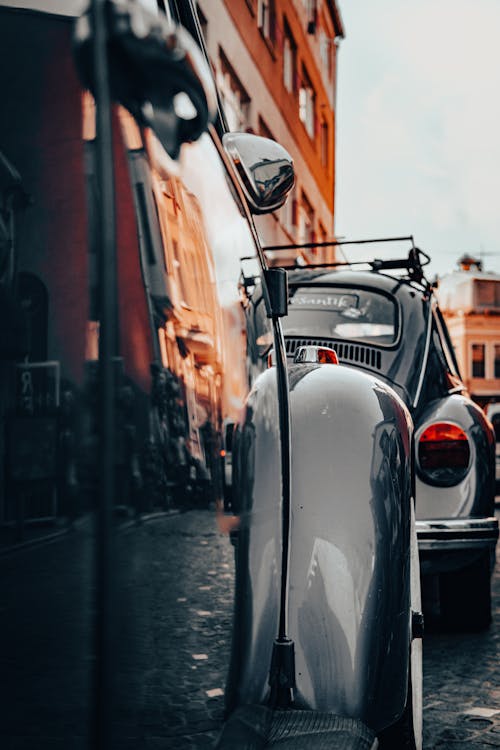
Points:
x=418, y=126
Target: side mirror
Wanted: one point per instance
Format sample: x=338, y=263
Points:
x=264, y=170
x=156, y=71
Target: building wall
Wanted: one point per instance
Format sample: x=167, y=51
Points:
x=472, y=323
x=248, y=56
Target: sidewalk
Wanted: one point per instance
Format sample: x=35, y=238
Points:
x=12, y=538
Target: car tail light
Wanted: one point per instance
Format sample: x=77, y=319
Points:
x=443, y=454
x=322, y=355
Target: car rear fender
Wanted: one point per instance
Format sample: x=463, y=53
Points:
x=348, y=609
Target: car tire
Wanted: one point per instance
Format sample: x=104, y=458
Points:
x=465, y=597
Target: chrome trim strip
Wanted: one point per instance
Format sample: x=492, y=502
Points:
x=425, y=357
x=457, y=533
x=457, y=524
x=428, y=545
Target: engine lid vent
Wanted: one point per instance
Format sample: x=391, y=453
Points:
x=346, y=352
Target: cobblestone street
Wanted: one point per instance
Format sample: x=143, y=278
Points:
x=462, y=685
x=174, y=646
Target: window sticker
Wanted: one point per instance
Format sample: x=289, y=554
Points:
x=330, y=300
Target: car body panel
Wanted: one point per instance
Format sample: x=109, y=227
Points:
x=349, y=566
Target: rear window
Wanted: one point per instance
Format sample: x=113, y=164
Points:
x=342, y=313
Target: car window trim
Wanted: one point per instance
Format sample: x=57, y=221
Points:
x=425, y=358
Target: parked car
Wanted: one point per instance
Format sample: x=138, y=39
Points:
x=142, y=315
x=387, y=322
x=493, y=414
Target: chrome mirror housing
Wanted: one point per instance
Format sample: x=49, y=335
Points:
x=156, y=71
x=264, y=170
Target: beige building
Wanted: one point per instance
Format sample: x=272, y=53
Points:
x=470, y=301
x=276, y=67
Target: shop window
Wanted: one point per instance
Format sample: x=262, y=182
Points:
x=307, y=104
x=478, y=360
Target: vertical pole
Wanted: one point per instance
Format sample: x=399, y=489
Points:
x=101, y=739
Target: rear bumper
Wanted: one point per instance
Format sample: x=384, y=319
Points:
x=457, y=534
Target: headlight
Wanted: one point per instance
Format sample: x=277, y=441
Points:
x=443, y=454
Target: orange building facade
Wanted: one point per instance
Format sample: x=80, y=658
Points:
x=470, y=300
x=276, y=66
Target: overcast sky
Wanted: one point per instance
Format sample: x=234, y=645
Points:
x=418, y=125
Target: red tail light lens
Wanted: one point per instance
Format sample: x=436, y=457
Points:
x=443, y=454
x=327, y=356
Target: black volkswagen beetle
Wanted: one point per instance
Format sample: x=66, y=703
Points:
x=389, y=323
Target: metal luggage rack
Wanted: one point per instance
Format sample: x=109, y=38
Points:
x=413, y=264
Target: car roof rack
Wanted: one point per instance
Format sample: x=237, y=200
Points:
x=413, y=264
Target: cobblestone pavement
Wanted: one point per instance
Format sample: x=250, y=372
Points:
x=174, y=604
x=461, y=682
x=462, y=685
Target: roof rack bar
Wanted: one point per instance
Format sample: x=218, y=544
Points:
x=332, y=264
x=331, y=243
x=375, y=264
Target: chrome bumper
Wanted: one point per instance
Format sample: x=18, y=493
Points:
x=457, y=534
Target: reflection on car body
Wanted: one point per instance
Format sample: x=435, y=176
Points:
x=396, y=331
x=185, y=355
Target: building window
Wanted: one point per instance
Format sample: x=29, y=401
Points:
x=289, y=60
x=288, y=212
x=306, y=221
x=235, y=100
x=478, y=360
x=326, y=46
x=487, y=294
x=311, y=15
x=324, y=143
x=265, y=19
x=307, y=104
x=264, y=130
x=497, y=361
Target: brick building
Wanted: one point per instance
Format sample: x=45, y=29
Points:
x=276, y=66
x=470, y=301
